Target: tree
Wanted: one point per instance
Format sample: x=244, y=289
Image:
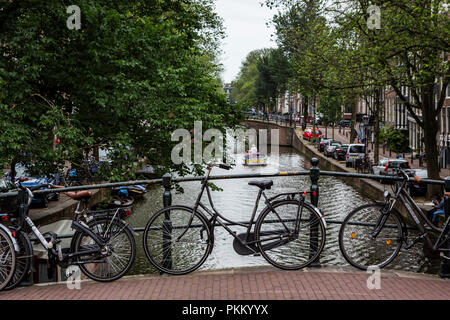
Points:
x=263, y=78
x=330, y=103
x=132, y=74
x=409, y=49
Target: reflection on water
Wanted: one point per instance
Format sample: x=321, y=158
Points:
x=236, y=202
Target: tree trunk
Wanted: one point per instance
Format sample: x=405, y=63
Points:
x=376, y=151
x=333, y=132
x=431, y=128
x=353, y=123
x=305, y=109
x=13, y=170
x=314, y=119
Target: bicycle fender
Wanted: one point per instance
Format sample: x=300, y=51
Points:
x=317, y=210
x=14, y=241
x=108, y=216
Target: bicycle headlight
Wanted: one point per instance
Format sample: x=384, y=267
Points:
x=387, y=195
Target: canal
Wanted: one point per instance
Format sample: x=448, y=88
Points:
x=236, y=202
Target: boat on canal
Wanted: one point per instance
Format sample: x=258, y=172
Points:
x=255, y=159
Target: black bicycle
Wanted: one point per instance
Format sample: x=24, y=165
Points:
x=372, y=234
x=8, y=254
x=289, y=232
x=103, y=244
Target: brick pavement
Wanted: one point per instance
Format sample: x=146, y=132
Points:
x=327, y=283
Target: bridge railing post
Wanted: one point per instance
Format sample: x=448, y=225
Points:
x=445, y=262
x=314, y=173
x=167, y=223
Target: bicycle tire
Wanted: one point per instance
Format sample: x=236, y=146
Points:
x=24, y=259
x=7, y=259
x=356, y=244
x=117, y=229
x=297, y=253
x=185, y=255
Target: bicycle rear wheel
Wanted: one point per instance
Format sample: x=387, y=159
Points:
x=115, y=258
x=24, y=259
x=7, y=259
x=278, y=241
x=171, y=254
x=357, y=244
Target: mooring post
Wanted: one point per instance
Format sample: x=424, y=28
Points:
x=167, y=223
x=445, y=262
x=314, y=174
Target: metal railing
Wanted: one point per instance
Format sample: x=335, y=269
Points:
x=314, y=174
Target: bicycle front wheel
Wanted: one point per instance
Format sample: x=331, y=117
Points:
x=23, y=260
x=174, y=246
x=115, y=258
x=358, y=243
x=291, y=236
x=7, y=259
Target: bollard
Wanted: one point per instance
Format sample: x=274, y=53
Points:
x=167, y=223
x=314, y=174
x=444, y=272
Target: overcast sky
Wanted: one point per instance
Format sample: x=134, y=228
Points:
x=246, y=30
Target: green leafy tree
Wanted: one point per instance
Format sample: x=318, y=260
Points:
x=132, y=74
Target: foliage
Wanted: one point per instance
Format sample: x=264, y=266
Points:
x=262, y=79
x=330, y=102
x=135, y=72
x=396, y=140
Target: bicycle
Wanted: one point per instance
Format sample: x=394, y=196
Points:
x=379, y=229
x=178, y=239
x=8, y=252
x=103, y=244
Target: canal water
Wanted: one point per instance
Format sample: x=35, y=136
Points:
x=236, y=202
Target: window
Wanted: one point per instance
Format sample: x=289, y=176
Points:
x=395, y=164
x=356, y=149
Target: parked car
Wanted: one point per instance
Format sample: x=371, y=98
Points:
x=306, y=134
x=386, y=166
x=354, y=151
x=344, y=123
x=330, y=148
x=340, y=152
x=317, y=134
x=419, y=188
x=34, y=182
x=323, y=143
x=8, y=204
x=380, y=168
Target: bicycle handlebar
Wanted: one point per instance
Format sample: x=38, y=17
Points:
x=220, y=165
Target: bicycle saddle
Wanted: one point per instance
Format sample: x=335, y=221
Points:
x=80, y=195
x=264, y=184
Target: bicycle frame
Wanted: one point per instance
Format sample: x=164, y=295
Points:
x=216, y=214
x=414, y=211
x=76, y=225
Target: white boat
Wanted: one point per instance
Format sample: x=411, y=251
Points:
x=255, y=159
